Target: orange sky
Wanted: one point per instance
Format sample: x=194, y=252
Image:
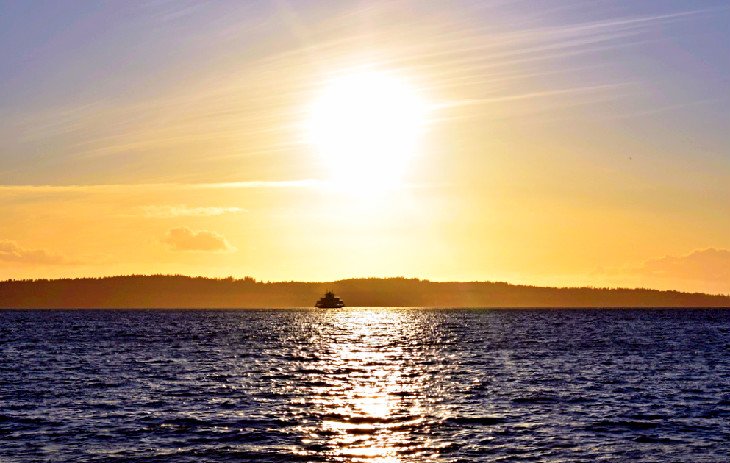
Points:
x=567, y=146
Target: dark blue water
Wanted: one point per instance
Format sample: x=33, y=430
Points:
x=365, y=385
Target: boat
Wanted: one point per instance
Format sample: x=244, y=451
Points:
x=329, y=301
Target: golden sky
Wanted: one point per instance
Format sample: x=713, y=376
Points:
x=572, y=144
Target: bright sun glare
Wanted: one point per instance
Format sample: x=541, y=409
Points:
x=367, y=126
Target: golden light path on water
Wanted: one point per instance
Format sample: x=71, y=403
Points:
x=378, y=395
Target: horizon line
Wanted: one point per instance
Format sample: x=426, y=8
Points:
x=426, y=280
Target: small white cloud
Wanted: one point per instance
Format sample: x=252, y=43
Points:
x=185, y=239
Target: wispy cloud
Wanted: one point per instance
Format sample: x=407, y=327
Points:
x=307, y=183
x=668, y=108
x=705, y=270
x=185, y=239
x=531, y=95
x=243, y=116
x=710, y=265
x=11, y=251
x=186, y=211
x=262, y=184
x=263, y=104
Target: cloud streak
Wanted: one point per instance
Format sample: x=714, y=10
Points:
x=166, y=212
x=80, y=188
x=531, y=95
x=450, y=49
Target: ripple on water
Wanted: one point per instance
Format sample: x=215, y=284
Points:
x=364, y=385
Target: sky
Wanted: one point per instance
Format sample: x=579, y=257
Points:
x=564, y=143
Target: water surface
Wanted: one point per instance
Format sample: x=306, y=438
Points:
x=365, y=385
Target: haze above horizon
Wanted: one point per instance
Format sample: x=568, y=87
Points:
x=569, y=144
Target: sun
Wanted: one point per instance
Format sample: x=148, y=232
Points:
x=367, y=127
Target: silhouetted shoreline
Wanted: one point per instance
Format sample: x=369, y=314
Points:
x=176, y=291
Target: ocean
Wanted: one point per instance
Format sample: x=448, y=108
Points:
x=364, y=385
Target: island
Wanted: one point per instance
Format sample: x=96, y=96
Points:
x=177, y=291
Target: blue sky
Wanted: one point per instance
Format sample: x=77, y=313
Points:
x=548, y=117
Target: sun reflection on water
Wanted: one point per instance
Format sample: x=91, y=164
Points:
x=375, y=403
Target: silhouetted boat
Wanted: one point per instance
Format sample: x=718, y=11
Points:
x=329, y=301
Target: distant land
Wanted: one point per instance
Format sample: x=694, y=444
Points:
x=176, y=291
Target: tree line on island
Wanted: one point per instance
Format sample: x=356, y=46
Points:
x=178, y=291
